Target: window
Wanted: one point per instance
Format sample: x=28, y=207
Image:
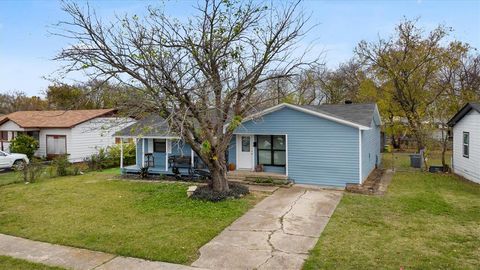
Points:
x=466, y=144
x=271, y=150
x=245, y=143
x=3, y=135
x=56, y=145
x=34, y=134
x=159, y=146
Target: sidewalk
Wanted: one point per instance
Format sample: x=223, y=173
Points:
x=76, y=258
x=276, y=234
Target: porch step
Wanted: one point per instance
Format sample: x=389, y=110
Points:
x=263, y=178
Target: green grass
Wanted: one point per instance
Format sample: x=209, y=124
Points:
x=9, y=177
x=9, y=263
x=147, y=220
x=425, y=221
x=401, y=160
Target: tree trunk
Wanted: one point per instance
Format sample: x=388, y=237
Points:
x=218, y=170
x=219, y=179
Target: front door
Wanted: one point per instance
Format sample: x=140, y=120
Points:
x=245, y=152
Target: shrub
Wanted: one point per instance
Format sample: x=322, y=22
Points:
x=32, y=171
x=144, y=172
x=79, y=168
x=110, y=157
x=61, y=165
x=24, y=144
x=206, y=193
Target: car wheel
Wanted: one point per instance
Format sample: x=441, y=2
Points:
x=19, y=165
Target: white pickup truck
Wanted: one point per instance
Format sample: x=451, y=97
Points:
x=12, y=161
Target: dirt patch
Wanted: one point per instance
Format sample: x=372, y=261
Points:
x=376, y=183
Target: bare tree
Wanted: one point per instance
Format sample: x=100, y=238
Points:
x=203, y=76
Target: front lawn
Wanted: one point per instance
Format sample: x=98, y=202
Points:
x=148, y=220
x=9, y=263
x=9, y=177
x=425, y=221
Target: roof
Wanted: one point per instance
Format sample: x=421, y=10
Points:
x=464, y=111
x=355, y=115
x=151, y=126
x=54, y=119
x=359, y=113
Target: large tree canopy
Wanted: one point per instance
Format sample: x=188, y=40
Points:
x=203, y=75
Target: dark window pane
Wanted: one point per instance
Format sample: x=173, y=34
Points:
x=264, y=142
x=264, y=157
x=466, y=137
x=279, y=142
x=159, y=146
x=279, y=158
x=245, y=143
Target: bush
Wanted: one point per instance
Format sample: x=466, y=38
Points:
x=206, y=193
x=61, y=165
x=79, y=168
x=32, y=171
x=110, y=157
x=24, y=144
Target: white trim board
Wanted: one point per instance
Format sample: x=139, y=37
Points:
x=360, y=156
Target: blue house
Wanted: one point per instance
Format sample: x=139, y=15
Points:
x=327, y=145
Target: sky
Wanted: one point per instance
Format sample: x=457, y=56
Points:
x=27, y=45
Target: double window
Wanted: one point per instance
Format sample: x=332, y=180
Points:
x=466, y=144
x=271, y=150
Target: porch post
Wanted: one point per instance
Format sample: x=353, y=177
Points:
x=143, y=152
x=121, y=153
x=192, y=158
x=166, y=155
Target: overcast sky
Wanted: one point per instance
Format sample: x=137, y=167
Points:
x=26, y=47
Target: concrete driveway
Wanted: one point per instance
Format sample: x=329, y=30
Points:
x=276, y=234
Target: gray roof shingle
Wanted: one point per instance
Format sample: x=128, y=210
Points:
x=361, y=114
x=358, y=113
x=151, y=126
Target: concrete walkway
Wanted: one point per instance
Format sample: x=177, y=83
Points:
x=76, y=258
x=276, y=234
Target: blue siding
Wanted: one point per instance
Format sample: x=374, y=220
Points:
x=320, y=151
x=159, y=158
x=181, y=148
x=370, y=149
x=139, y=153
x=232, y=151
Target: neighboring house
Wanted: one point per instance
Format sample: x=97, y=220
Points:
x=78, y=133
x=329, y=145
x=466, y=142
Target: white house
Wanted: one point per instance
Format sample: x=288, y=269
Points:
x=466, y=142
x=78, y=133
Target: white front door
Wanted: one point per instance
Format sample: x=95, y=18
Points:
x=245, y=152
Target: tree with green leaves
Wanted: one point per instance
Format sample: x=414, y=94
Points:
x=409, y=63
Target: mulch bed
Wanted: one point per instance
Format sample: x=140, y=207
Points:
x=374, y=185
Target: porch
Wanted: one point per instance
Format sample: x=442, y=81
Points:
x=156, y=171
x=242, y=176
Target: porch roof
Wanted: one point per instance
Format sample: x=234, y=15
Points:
x=149, y=127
